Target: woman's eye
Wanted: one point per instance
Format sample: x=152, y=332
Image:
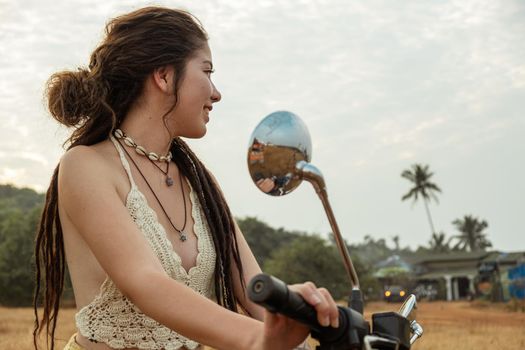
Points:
x=210, y=71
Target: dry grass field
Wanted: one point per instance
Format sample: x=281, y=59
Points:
x=449, y=326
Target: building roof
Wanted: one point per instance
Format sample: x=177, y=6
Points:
x=395, y=261
x=449, y=272
x=505, y=257
x=452, y=256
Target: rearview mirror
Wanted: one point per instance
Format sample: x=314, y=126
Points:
x=278, y=143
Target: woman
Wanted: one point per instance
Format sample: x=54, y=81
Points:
x=155, y=258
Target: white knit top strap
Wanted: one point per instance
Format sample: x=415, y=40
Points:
x=123, y=159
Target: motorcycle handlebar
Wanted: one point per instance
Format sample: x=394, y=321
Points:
x=274, y=295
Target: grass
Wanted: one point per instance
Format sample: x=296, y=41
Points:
x=448, y=326
x=16, y=328
x=465, y=326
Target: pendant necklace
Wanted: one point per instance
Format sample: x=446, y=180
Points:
x=169, y=180
x=182, y=235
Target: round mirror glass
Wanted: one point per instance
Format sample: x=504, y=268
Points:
x=276, y=145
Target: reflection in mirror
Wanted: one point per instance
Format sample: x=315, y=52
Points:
x=278, y=143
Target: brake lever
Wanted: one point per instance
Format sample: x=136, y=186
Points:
x=417, y=331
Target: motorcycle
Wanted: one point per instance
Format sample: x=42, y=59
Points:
x=279, y=156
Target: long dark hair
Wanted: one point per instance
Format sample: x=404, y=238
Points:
x=94, y=101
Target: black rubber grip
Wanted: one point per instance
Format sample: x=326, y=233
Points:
x=274, y=295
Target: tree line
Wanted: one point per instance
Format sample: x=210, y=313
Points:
x=292, y=256
x=19, y=215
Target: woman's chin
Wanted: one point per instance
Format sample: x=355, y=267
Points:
x=196, y=134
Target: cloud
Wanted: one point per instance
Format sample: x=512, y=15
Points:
x=379, y=85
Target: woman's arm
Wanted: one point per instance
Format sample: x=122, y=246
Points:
x=250, y=269
x=91, y=201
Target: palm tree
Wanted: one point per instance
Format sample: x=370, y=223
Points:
x=395, y=239
x=438, y=244
x=471, y=234
x=420, y=176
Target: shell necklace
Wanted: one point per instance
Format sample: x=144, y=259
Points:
x=152, y=156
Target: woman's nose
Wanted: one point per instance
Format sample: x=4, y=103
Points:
x=215, y=95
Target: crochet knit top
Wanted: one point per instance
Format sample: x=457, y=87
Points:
x=111, y=318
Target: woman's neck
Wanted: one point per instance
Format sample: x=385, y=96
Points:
x=147, y=129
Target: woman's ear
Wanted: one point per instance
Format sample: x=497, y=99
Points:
x=163, y=78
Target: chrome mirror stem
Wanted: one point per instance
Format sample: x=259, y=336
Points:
x=313, y=175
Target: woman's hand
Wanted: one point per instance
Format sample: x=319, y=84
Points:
x=281, y=332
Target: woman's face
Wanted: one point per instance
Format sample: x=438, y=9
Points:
x=197, y=94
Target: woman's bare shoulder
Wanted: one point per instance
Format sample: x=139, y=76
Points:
x=84, y=161
x=99, y=150
x=84, y=168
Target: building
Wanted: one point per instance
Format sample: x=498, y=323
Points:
x=458, y=270
x=460, y=275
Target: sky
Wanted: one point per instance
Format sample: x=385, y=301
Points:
x=381, y=85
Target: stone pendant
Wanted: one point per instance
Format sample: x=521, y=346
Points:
x=183, y=237
x=169, y=181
